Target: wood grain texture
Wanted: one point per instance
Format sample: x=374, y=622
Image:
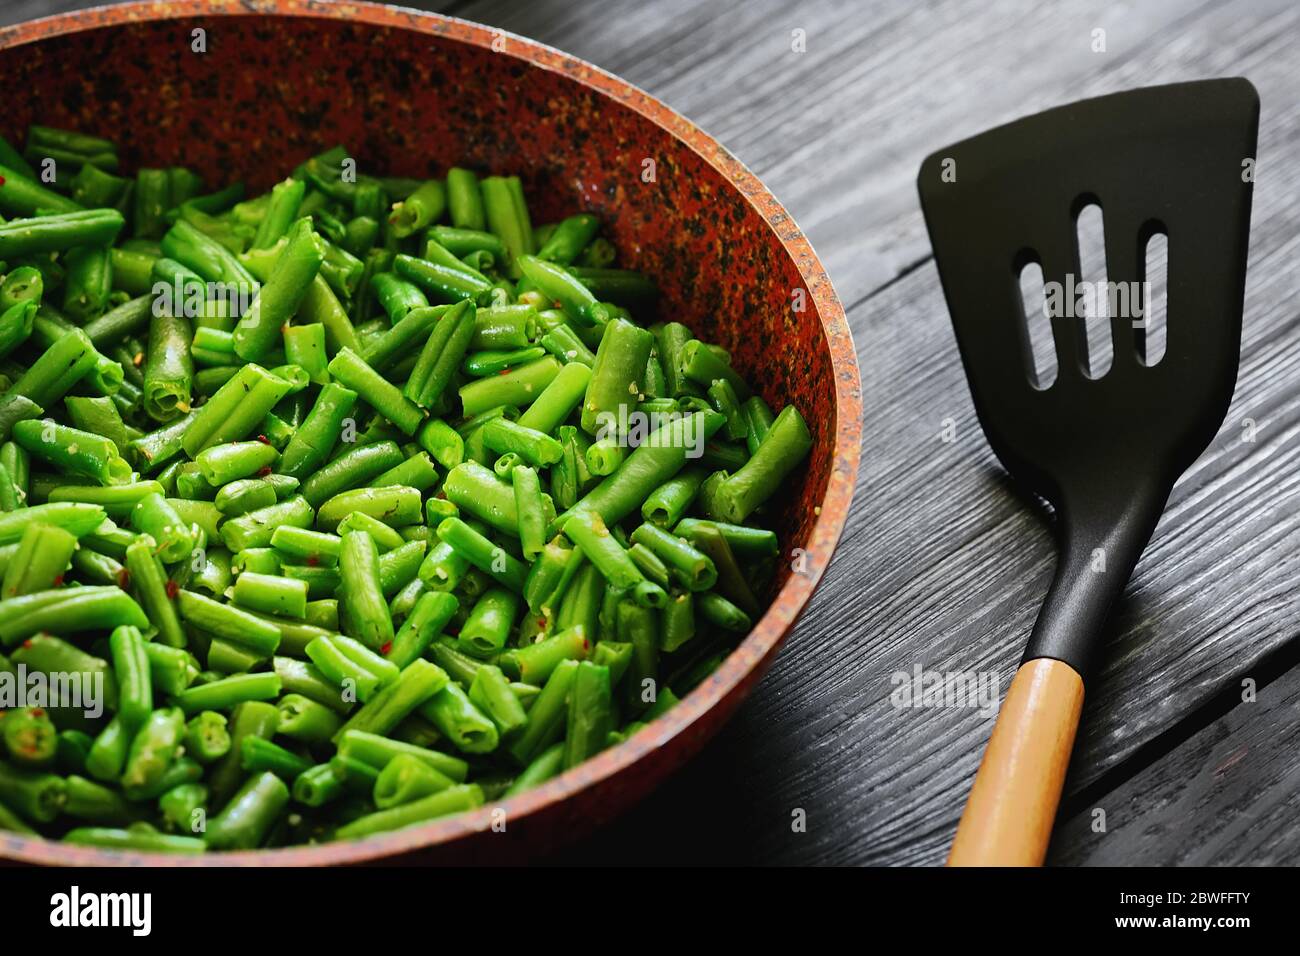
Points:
x=1012, y=804
x=837, y=131
x=943, y=564
x=1228, y=796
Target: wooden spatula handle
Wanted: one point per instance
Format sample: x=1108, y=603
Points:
x=1009, y=814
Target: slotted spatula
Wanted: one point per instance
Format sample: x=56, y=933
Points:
x=1105, y=452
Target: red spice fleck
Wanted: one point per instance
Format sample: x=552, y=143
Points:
x=123, y=579
x=263, y=471
x=58, y=579
x=38, y=712
x=264, y=440
x=504, y=371
x=541, y=623
x=585, y=645
x=28, y=644
x=173, y=589
x=386, y=648
x=441, y=494
x=312, y=560
x=557, y=304
x=2, y=180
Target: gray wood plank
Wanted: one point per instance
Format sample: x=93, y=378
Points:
x=954, y=565
x=16, y=11
x=1227, y=796
x=837, y=132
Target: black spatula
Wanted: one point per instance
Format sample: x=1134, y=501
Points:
x=1105, y=452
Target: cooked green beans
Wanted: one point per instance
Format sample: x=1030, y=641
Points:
x=367, y=618
x=250, y=814
x=59, y=232
x=359, y=515
x=441, y=356
x=235, y=410
x=386, y=398
x=134, y=680
x=420, y=209
x=40, y=560
x=282, y=293
x=786, y=444
x=206, y=737
x=465, y=202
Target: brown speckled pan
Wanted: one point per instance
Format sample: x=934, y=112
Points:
x=411, y=94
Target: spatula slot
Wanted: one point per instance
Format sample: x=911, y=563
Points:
x=1091, y=300
x=1150, y=330
x=1039, y=346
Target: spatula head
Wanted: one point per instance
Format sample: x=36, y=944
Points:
x=1176, y=160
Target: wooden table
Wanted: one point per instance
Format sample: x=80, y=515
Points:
x=943, y=565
